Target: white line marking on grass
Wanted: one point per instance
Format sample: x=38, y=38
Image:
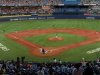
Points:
x=4, y=48
x=93, y=51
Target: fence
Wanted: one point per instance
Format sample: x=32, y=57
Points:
x=49, y=17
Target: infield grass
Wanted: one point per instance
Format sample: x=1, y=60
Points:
x=44, y=41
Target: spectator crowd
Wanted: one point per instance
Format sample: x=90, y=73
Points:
x=21, y=7
x=29, y=2
x=18, y=10
x=56, y=67
x=13, y=7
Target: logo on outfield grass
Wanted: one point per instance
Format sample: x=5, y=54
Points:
x=4, y=48
x=93, y=51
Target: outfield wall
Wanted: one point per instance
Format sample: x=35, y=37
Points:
x=48, y=17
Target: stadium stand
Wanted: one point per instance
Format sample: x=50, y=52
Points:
x=91, y=2
x=23, y=67
x=94, y=10
x=14, y=7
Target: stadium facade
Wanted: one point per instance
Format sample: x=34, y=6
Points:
x=47, y=9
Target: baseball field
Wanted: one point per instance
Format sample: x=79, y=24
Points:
x=63, y=39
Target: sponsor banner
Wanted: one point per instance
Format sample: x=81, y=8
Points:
x=33, y=17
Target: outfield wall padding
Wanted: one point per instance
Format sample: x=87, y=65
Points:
x=48, y=17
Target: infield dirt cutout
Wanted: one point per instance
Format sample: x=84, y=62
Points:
x=34, y=48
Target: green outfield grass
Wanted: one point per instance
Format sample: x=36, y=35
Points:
x=17, y=49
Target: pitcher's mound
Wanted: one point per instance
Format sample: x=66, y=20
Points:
x=56, y=38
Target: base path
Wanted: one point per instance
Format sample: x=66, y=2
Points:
x=93, y=36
